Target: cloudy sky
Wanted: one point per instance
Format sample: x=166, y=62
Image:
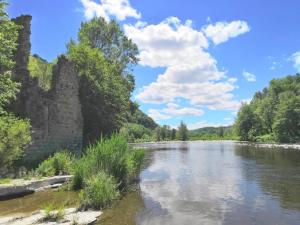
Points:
x=199, y=59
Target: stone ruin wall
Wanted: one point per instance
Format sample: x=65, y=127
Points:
x=55, y=115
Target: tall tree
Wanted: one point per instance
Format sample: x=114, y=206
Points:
x=182, y=132
x=103, y=57
x=14, y=132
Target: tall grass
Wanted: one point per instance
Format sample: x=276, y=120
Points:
x=111, y=156
x=59, y=164
x=105, y=169
x=99, y=191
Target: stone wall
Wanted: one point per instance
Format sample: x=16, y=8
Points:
x=55, y=115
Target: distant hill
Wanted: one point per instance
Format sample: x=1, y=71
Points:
x=212, y=133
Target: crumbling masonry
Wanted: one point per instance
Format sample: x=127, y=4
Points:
x=55, y=115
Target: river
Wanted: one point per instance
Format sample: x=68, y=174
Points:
x=212, y=183
x=202, y=183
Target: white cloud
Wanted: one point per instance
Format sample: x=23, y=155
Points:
x=157, y=116
x=222, y=31
x=191, y=72
x=249, y=76
x=201, y=124
x=174, y=110
x=120, y=9
x=296, y=60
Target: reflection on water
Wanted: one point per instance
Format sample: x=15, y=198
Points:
x=219, y=183
x=201, y=183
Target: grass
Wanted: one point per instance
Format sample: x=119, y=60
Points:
x=5, y=181
x=111, y=156
x=59, y=164
x=53, y=214
x=100, y=191
x=102, y=173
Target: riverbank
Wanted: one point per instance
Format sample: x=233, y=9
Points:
x=42, y=217
x=255, y=144
x=21, y=187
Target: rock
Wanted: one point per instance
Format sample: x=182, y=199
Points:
x=71, y=215
x=22, y=187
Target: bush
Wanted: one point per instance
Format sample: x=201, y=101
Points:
x=266, y=138
x=14, y=136
x=111, y=156
x=99, y=192
x=135, y=161
x=59, y=164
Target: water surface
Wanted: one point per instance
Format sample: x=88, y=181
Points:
x=210, y=183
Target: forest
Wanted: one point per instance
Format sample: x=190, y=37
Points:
x=273, y=113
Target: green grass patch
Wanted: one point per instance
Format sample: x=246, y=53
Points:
x=100, y=191
x=5, y=181
x=59, y=164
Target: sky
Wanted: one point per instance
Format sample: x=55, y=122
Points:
x=199, y=59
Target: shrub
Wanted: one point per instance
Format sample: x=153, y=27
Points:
x=78, y=175
x=109, y=156
x=135, y=161
x=59, y=164
x=14, y=136
x=99, y=191
x=266, y=138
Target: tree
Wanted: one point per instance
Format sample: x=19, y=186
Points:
x=173, y=134
x=103, y=57
x=287, y=120
x=273, y=114
x=109, y=38
x=14, y=132
x=182, y=132
x=247, y=123
x=8, y=39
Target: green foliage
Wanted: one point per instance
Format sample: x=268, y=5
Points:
x=104, y=93
x=287, y=120
x=133, y=131
x=273, y=114
x=182, y=132
x=137, y=116
x=213, y=133
x=103, y=57
x=59, y=164
x=135, y=161
x=109, y=38
x=5, y=181
x=42, y=70
x=8, y=90
x=111, y=156
x=14, y=136
x=8, y=39
x=8, y=44
x=99, y=191
x=52, y=213
x=247, y=124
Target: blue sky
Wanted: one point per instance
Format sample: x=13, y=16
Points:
x=199, y=59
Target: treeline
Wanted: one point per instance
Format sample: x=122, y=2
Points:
x=213, y=133
x=137, y=133
x=273, y=114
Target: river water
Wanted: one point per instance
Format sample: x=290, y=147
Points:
x=211, y=183
x=201, y=183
